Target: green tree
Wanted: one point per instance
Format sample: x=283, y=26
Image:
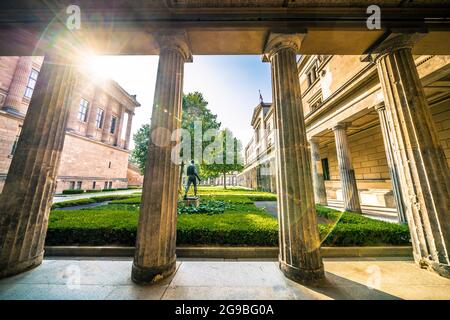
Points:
x=224, y=156
x=139, y=154
x=195, y=108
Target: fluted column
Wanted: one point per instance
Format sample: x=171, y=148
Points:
x=320, y=194
x=393, y=170
x=346, y=171
x=299, y=257
x=119, y=126
x=419, y=157
x=18, y=84
x=128, y=133
x=107, y=121
x=27, y=195
x=155, y=256
x=92, y=114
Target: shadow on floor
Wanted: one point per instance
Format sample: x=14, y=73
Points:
x=339, y=288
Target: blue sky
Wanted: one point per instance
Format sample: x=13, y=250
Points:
x=229, y=83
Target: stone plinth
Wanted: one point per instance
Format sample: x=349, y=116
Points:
x=191, y=201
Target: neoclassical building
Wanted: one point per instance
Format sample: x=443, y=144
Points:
x=259, y=155
x=279, y=31
x=348, y=131
x=95, y=152
x=342, y=99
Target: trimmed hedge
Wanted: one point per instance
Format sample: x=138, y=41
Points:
x=111, y=189
x=240, y=224
x=93, y=190
x=78, y=202
x=72, y=191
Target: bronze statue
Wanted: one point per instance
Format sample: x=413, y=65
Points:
x=192, y=178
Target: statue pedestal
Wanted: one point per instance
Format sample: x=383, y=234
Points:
x=195, y=201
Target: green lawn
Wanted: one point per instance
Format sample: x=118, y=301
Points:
x=225, y=217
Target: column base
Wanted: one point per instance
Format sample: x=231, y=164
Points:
x=441, y=269
x=149, y=275
x=22, y=266
x=302, y=276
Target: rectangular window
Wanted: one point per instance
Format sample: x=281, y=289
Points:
x=82, y=111
x=113, y=125
x=99, y=118
x=326, y=169
x=16, y=140
x=72, y=185
x=106, y=185
x=31, y=83
x=93, y=184
x=110, y=184
x=79, y=183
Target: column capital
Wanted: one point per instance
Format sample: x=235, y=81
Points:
x=394, y=42
x=314, y=140
x=340, y=126
x=380, y=106
x=175, y=40
x=278, y=41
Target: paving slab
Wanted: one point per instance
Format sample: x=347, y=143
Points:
x=81, y=278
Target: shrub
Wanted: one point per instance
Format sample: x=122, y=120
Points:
x=206, y=206
x=122, y=188
x=128, y=200
x=72, y=191
x=93, y=190
x=72, y=203
x=111, y=189
x=239, y=223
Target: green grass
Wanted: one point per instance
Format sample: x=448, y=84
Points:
x=233, y=220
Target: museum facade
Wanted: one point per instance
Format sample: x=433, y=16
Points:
x=96, y=146
x=341, y=95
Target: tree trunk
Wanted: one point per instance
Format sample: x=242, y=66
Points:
x=224, y=180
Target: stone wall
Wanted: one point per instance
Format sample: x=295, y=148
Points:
x=87, y=161
x=441, y=117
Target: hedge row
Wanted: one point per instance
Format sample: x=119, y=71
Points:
x=115, y=224
x=78, y=202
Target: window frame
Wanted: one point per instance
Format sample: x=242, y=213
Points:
x=29, y=89
x=99, y=121
x=113, y=125
x=83, y=109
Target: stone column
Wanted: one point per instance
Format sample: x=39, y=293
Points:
x=91, y=128
x=107, y=122
x=128, y=133
x=18, y=84
x=419, y=157
x=155, y=257
x=27, y=195
x=346, y=171
x=119, y=126
x=299, y=257
x=320, y=194
x=393, y=170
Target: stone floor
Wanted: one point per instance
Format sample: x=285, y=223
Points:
x=79, y=278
